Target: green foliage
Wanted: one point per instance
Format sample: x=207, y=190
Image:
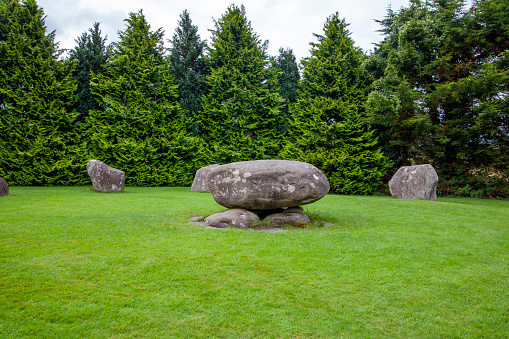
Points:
x=188, y=67
x=142, y=129
x=288, y=77
x=288, y=80
x=241, y=112
x=37, y=140
x=400, y=129
x=91, y=55
x=435, y=90
x=328, y=129
x=443, y=95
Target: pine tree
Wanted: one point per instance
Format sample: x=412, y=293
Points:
x=91, y=55
x=288, y=79
x=36, y=95
x=142, y=129
x=289, y=76
x=241, y=112
x=188, y=66
x=443, y=96
x=328, y=129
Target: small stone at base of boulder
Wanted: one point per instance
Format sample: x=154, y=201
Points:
x=287, y=218
x=4, y=188
x=297, y=209
x=233, y=217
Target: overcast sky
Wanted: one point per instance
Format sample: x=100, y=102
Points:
x=285, y=23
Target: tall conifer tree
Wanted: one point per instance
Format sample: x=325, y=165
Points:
x=241, y=112
x=188, y=66
x=288, y=79
x=289, y=76
x=142, y=129
x=36, y=95
x=92, y=55
x=328, y=127
x=443, y=97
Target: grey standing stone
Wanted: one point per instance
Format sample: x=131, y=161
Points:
x=4, y=188
x=287, y=218
x=233, y=217
x=267, y=184
x=105, y=178
x=415, y=182
x=200, y=183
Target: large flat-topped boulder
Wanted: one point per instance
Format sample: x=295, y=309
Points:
x=4, y=188
x=267, y=184
x=105, y=178
x=200, y=183
x=415, y=182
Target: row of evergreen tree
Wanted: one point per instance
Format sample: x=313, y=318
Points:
x=435, y=90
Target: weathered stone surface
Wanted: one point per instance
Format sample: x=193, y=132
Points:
x=267, y=184
x=4, y=188
x=297, y=209
x=105, y=178
x=287, y=218
x=233, y=217
x=415, y=182
x=200, y=183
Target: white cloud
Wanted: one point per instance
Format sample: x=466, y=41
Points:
x=284, y=23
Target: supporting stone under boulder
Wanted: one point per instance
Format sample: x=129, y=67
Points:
x=241, y=218
x=287, y=218
x=296, y=209
x=105, y=178
x=4, y=188
x=415, y=182
x=233, y=217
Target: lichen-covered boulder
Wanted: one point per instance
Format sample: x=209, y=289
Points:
x=233, y=217
x=287, y=218
x=105, y=178
x=415, y=182
x=4, y=188
x=267, y=184
x=200, y=183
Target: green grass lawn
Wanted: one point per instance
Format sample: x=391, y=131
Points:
x=80, y=264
